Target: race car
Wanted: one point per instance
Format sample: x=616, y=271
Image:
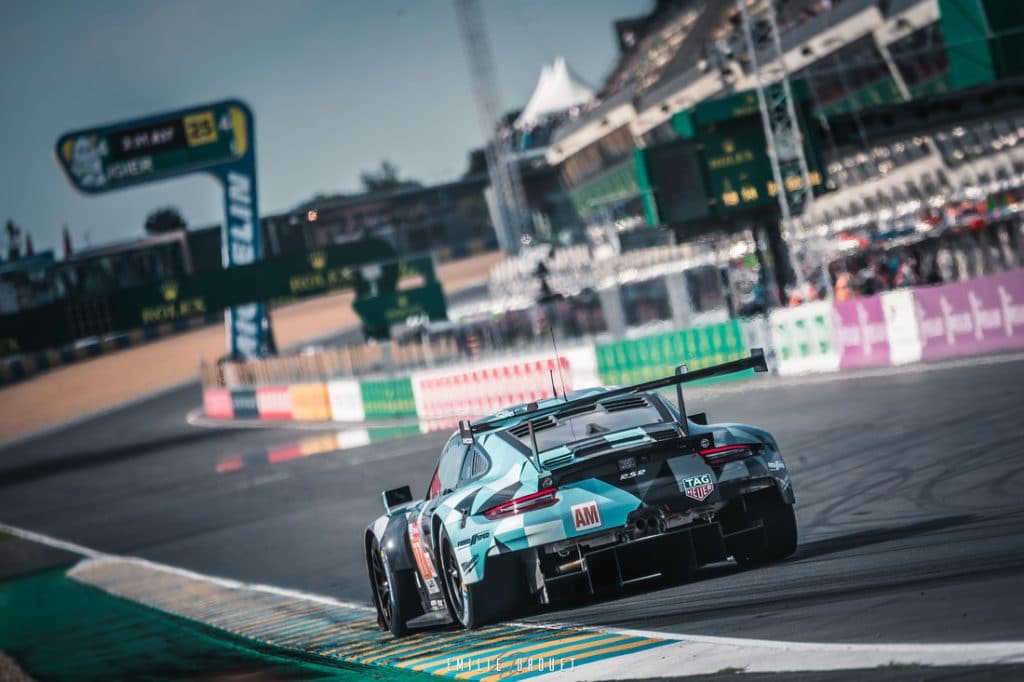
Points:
x=583, y=492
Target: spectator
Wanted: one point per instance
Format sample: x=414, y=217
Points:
x=906, y=273
x=843, y=289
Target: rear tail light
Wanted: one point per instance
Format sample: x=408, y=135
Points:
x=520, y=505
x=727, y=453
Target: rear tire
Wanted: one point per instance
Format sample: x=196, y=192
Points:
x=394, y=593
x=779, y=538
x=482, y=603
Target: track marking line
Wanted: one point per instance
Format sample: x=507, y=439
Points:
x=49, y=541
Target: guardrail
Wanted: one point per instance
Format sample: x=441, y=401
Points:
x=984, y=315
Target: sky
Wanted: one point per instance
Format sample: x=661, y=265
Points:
x=335, y=86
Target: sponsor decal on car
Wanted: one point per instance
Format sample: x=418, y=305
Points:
x=636, y=473
x=586, y=516
x=423, y=561
x=467, y=542
x=698, y=487
x=776, y=465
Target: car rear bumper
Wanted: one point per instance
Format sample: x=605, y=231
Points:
x=643, y=549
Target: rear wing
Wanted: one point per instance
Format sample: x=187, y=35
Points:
x=756, y=362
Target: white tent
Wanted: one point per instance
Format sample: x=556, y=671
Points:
x=557, y=90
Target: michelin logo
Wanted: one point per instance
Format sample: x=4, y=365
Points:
x=241, y=240
x=241, y=248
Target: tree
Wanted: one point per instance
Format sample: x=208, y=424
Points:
x=477, y=163
x=164, y=220
x=384, y=178
x=472, y=210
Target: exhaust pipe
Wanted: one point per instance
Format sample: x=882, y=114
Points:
x=648, y=521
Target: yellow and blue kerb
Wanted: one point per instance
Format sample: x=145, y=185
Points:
x=349, y=634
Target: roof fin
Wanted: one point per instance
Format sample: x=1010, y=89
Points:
x=681, y=369
x=533, y=442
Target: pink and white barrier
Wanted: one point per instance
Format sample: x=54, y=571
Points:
x=444, y=396
x=981, y=316
x=984, y=315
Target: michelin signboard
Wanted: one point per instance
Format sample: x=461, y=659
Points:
x=215, y=138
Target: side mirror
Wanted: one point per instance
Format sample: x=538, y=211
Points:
x=699, y=418
x=396, y=498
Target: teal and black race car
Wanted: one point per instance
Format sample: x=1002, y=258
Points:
x=584, y=492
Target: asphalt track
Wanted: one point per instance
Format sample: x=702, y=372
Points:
x=908, y=488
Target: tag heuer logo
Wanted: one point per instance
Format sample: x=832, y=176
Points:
x=698, y=487
x=169, y=289
x=318, y=259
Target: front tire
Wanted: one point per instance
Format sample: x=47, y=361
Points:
x=779, y=538
x=394, y=593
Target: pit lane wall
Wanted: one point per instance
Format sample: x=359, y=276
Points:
x=980, y=316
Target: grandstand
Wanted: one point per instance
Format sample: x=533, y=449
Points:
x=946, y=199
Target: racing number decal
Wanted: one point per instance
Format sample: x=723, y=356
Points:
x=423, y=561
x=586, y=516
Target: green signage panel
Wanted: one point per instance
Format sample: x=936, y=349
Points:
x=735, y=154
x=387, y=399
x=719, y=167
x=337, y=267
x=650, y=357
x=380, y=313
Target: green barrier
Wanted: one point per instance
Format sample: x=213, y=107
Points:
x=650, y=357
x=388, y=399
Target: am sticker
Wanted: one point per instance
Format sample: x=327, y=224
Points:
x=586, y=516
x=698, y=487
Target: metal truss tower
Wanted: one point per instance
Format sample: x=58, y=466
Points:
x=778, y=115
x=503, y=168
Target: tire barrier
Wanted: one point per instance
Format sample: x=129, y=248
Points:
x=984, y=315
